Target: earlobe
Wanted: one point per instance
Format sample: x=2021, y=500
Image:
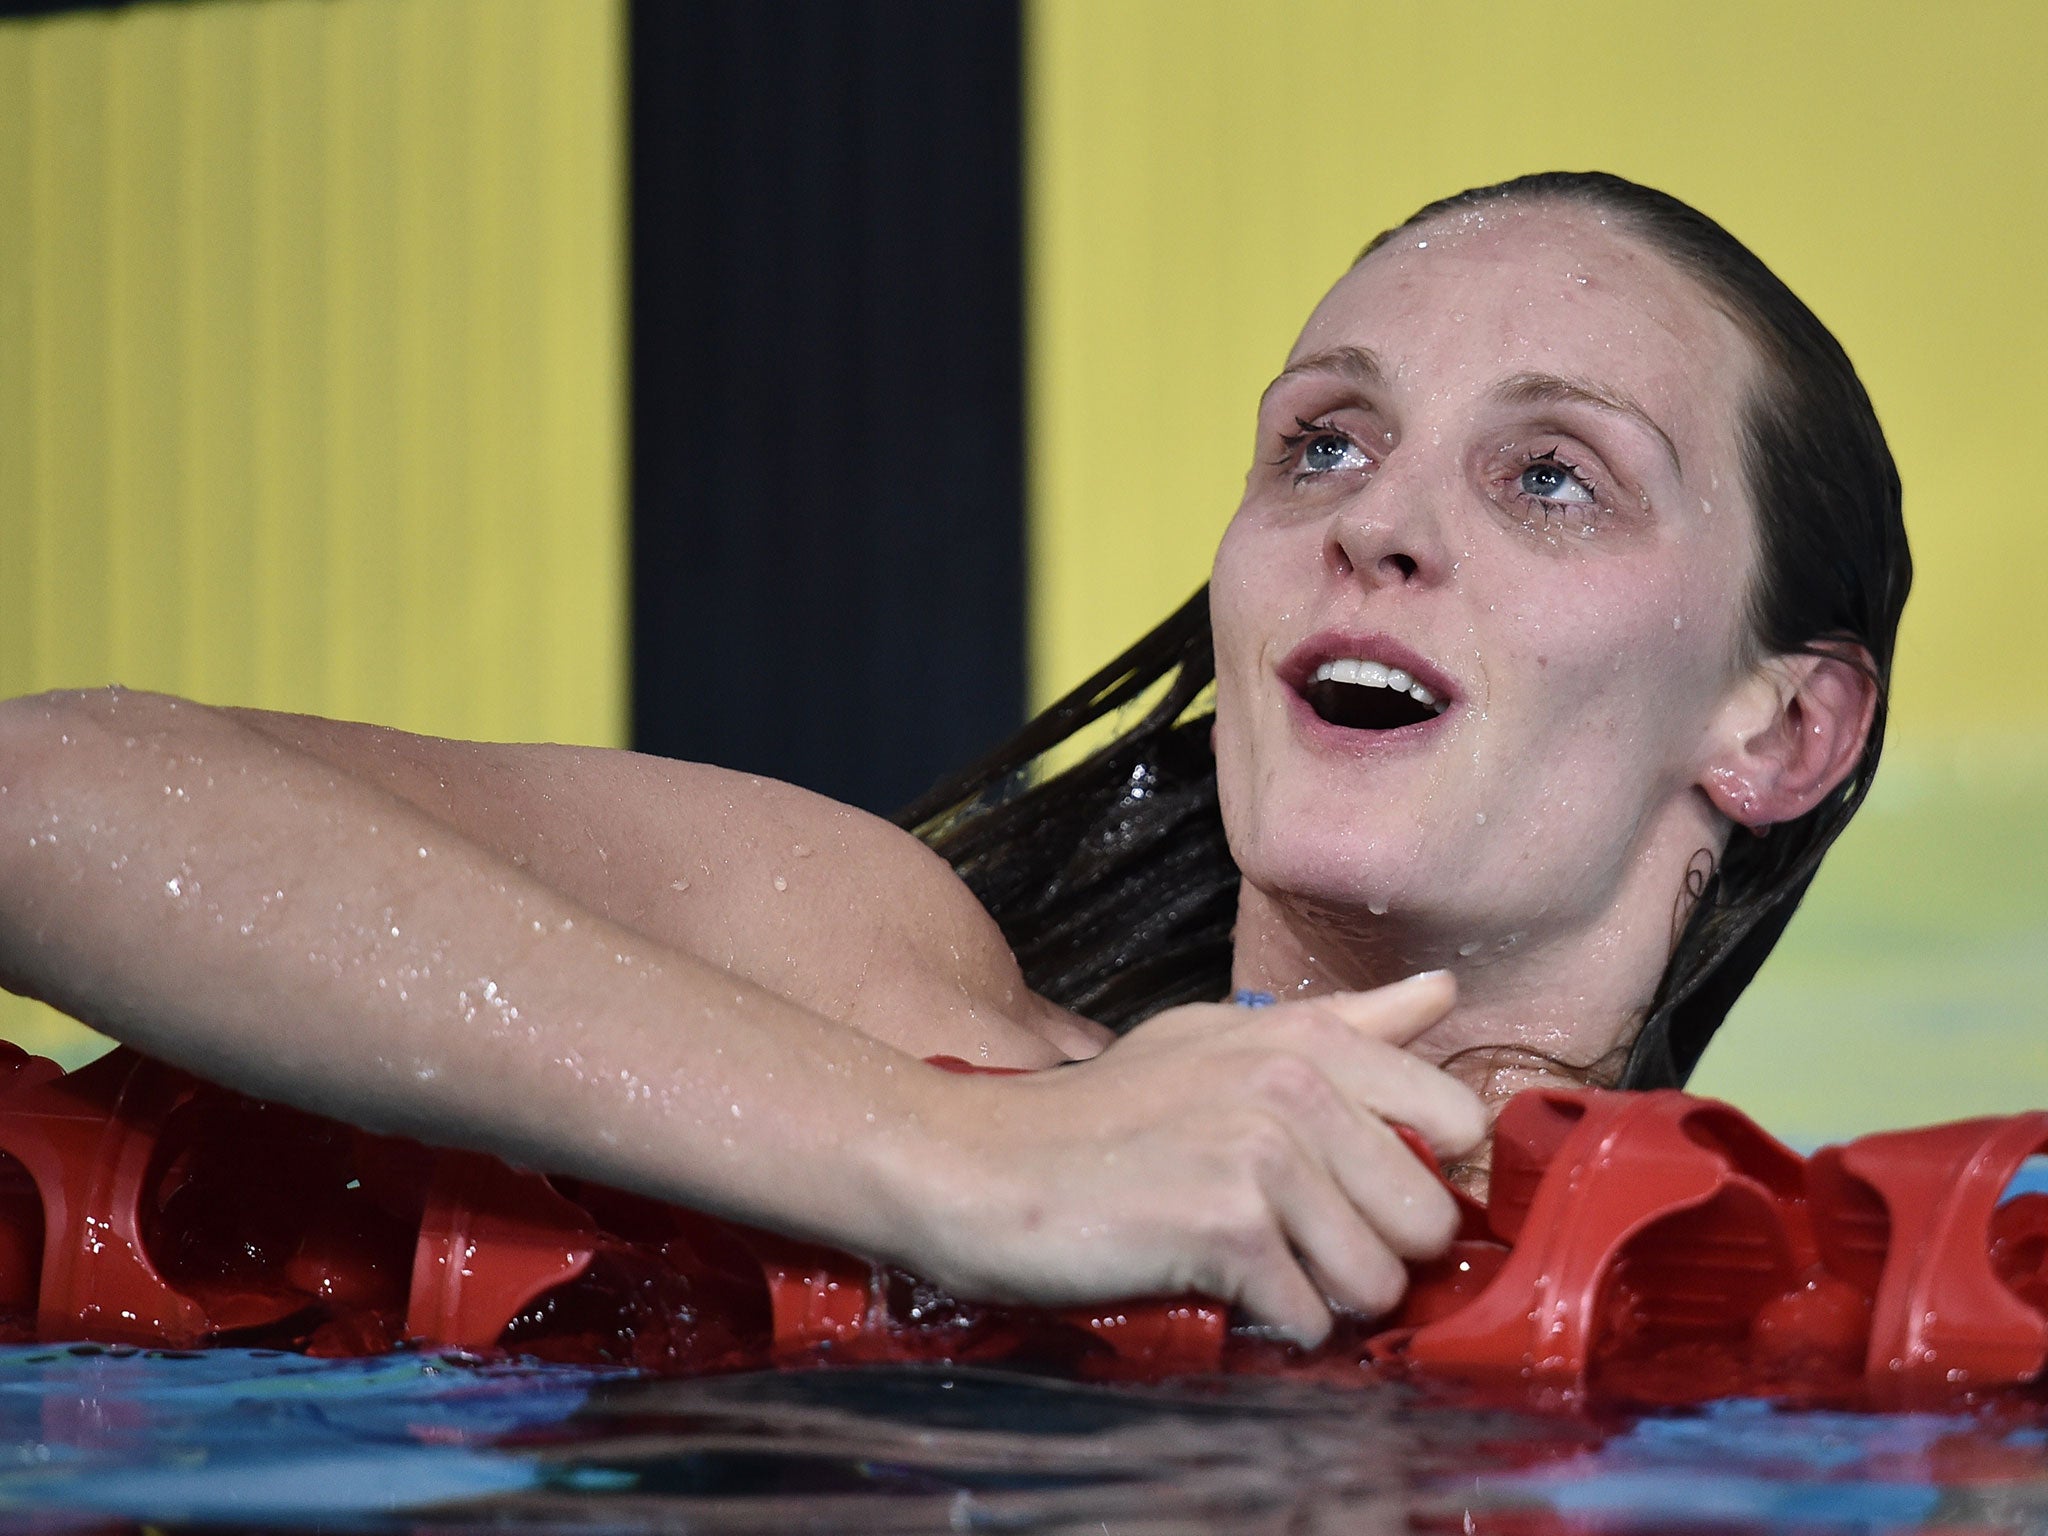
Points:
x=1789, y=736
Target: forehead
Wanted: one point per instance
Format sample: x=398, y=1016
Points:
x=1542, y=287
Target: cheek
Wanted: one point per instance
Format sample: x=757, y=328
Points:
x=1234, y=573
x=1632, y=657
x=1245, y=599
x=1231, y=633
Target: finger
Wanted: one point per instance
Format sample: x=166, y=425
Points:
x=1403, y=1202
x=1393, y=1085
x=1346, y=1253
x=1276, y=1292
x=1376, y=1075
x=1399, y=1012
x=1396, y=1194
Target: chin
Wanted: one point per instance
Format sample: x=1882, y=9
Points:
x=1366, y=870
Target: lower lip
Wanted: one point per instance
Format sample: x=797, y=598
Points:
x=1358, y=743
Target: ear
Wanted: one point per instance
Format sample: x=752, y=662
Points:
x=1787, y=735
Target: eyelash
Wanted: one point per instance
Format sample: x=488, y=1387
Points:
x=1551, y=458
x=1291, y=444
x=1308, y=431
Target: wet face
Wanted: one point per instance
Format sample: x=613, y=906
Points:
x=1480, y=612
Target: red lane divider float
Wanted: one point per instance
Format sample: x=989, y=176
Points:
x=1639, y=1248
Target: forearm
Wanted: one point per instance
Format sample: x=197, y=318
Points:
x=239, y=909
x=232, y=904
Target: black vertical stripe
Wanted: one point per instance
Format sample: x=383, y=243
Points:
x=827, y=387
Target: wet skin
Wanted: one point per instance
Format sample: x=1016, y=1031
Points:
x=1509, y=444
x=715, y=990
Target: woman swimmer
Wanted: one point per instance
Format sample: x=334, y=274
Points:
x=1568, y=566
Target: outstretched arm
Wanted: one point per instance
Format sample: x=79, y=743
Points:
x=329, y=918
x=244, y=909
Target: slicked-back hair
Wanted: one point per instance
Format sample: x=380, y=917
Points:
x=1112, y=879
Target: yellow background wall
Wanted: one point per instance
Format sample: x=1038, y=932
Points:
x=311, y=377
x=1203, y=169
x=312, y=363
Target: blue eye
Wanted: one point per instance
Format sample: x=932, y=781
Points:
x=1548, y=480
x=1324, y=453
x=1319, y=449
x=1327, y=452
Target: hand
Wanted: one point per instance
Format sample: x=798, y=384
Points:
x=1242, y=1154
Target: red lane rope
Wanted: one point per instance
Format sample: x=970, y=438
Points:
x=1639, y=1248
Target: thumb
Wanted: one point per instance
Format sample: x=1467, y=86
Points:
x=1401, y=1011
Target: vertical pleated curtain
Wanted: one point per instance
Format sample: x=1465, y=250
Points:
x=827, y=381
x=312, y=362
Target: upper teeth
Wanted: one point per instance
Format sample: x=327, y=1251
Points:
x=1373, y=674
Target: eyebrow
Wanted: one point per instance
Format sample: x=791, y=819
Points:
x=1549, y=389
x=1357, y=365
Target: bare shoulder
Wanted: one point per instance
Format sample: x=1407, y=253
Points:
x=833, y=907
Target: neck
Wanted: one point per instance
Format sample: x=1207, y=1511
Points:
x=1556, y=1006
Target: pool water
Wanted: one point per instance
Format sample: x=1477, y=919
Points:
x=99, y=1439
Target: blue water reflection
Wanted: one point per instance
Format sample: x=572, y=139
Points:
x=232, y=1440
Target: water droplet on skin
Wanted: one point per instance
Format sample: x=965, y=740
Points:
x=1376, y=908
x=174, y=887
x=1468, y=950
x=1677, y=621
x=735, y=1111
x=1480, y=818
x=781, y=884
x=679, y=885
x=802, y=850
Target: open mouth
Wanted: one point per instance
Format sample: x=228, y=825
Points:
x=1361, y=695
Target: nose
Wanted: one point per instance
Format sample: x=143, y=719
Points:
x=1388, y=535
